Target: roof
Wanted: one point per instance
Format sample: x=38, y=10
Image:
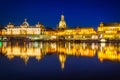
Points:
x=112, y=24
x=84, y=27
x=10, y=23
x=49, y=29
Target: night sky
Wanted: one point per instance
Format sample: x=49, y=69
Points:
x=77, y=12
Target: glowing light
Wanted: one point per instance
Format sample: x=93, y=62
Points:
x=35, y=44
x=93, y=45
x=53, y=37
x=103, y=40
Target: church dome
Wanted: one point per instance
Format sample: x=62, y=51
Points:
x=62, y=23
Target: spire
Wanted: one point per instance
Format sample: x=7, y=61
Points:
x=10, y=23
x=25, y=23
x=101, y=24
x=25, y=20
x=38, y=23
x=62, y=17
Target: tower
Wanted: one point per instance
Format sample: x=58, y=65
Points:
x=62, y=23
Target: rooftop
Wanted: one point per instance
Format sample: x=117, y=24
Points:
x=112, y=24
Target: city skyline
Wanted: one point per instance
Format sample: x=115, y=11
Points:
x=60, y=39
x=77, y=13
x=106, y=32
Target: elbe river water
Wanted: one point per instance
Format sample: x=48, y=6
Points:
x=59, y=61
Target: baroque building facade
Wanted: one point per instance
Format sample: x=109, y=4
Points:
x=106, y=31
x=23, y=29
x=110, y=31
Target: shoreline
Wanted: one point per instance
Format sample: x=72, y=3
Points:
x=76, y=41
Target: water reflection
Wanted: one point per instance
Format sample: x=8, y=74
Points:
x=39, y=50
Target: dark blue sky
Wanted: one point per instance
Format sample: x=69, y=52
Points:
x=48, y=12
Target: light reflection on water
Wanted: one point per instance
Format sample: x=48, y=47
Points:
x=38, y=50
x=59, y=61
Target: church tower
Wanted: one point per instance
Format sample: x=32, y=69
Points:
x=62, y=23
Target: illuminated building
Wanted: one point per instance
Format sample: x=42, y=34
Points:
x=23, y=29
x=106, y=32
x=78, y=33
x=38, y=32
x=109, y=31
x=62, y=23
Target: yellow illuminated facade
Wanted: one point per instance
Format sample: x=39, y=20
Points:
x=23, y=29
x=105, y=32
x=62, y=31
x=62, y=23
x=110, y=31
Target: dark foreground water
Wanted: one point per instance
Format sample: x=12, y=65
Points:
x=59, y=61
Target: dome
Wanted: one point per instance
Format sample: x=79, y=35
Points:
x=25, y=23
x=62, y=23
